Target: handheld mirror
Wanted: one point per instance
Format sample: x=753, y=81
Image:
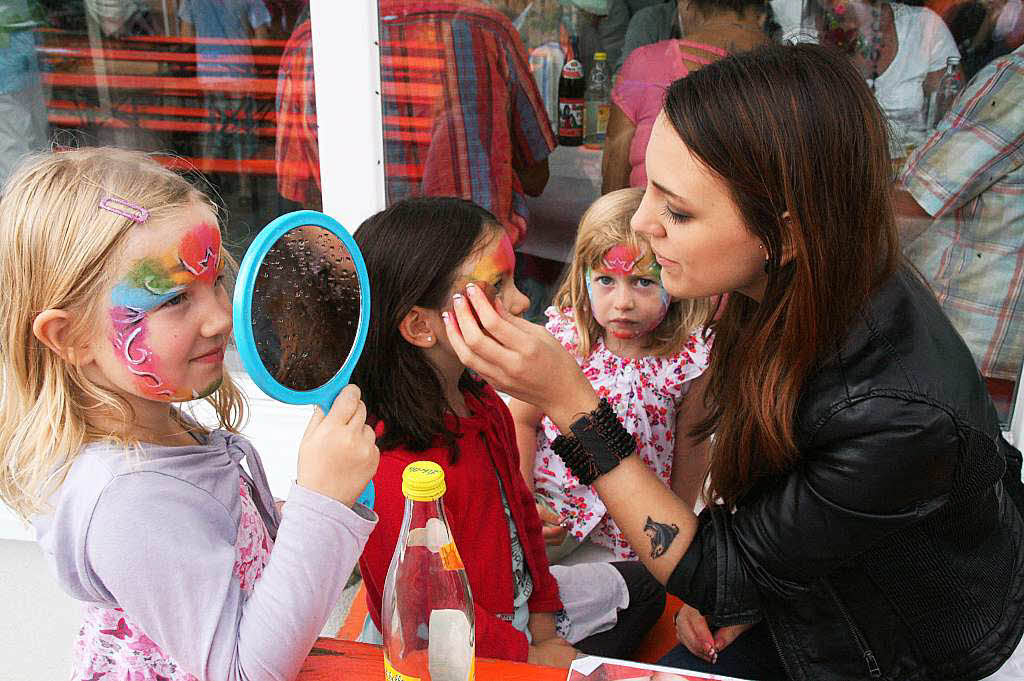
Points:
x=302, y=310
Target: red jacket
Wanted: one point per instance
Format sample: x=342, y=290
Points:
x=472, y=503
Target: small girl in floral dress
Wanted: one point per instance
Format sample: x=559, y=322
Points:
x=643, y=352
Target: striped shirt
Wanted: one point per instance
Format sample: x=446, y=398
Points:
x=970, y=177
x=461, y=109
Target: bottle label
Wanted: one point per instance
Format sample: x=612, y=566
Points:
x=572, y=69
x=570, y=117
x=392, y=674
x=450, y=558
x=602, y=119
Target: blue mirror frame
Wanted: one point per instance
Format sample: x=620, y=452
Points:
x=325, y=395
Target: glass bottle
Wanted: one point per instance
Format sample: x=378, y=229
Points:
x=427, y=613
x=570, y=104
x=942, y=98
x=596, y=102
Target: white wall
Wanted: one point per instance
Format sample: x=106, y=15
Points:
x=39, y=621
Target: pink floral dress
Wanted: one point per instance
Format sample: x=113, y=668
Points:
x=111, y=646
x=645, y=394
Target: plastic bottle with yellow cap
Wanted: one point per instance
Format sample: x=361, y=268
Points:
x=429, y=629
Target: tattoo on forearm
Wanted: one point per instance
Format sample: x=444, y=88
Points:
x=661, y=535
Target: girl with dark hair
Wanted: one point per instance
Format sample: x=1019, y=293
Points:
x=863, y=515
x=426, y=406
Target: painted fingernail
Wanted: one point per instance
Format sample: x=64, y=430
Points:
x=457, y=297
x=446, y=317
x=470, y=285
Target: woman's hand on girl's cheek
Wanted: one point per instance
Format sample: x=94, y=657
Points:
x=518, y=358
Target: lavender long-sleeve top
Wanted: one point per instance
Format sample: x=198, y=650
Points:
x=153, y=532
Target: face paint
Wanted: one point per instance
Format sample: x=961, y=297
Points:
x=621, y=259
x=498, y=261
x=625, y=292
x=150, y=283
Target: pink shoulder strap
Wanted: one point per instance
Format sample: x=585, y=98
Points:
x=713, y=49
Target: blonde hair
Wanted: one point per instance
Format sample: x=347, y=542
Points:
x=603, y=226
x=56, y=247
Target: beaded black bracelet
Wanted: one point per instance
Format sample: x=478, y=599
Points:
x=598, y=443
x=601, y=432
x=575, y=458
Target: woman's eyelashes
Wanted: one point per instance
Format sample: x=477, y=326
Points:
x=674, y=216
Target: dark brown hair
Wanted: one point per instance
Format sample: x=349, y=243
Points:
x=789, y=129
x=413, y=250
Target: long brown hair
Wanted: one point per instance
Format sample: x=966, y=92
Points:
x=797, y=137
x=413, y=250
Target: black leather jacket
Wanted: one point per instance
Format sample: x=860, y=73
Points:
x=894, y=549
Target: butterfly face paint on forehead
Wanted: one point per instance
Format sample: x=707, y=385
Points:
x=150, y=283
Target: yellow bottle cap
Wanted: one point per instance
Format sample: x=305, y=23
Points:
x=600, y=56
x=423, y=481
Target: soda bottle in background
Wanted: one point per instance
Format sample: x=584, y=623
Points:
x=570, y=104
x=942, y=98
x=596, y=99
x=427, y=617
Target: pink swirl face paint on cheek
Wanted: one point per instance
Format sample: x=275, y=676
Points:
x=130, y=343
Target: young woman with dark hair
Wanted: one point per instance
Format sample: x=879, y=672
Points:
x=864, y=510
x=426, y=406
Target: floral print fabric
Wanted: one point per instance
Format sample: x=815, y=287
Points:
x=111, y=647
x=645, y=394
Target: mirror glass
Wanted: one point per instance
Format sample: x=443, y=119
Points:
x=305, y=308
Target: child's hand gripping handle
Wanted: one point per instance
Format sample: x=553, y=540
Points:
x=338, y=454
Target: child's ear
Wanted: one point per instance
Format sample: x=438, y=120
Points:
x=416, y=328
x=52, y=328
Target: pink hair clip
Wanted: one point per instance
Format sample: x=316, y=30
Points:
x=127, y=209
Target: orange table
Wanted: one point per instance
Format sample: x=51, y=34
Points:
x=335, y=660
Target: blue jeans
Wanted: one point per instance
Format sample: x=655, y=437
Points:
x=751, y=656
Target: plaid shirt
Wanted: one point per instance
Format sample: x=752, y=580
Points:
x=461, y=109
x=970, y=176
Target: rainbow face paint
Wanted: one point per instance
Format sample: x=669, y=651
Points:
x=626, y=295
x=149, y=284
x=499, y=261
